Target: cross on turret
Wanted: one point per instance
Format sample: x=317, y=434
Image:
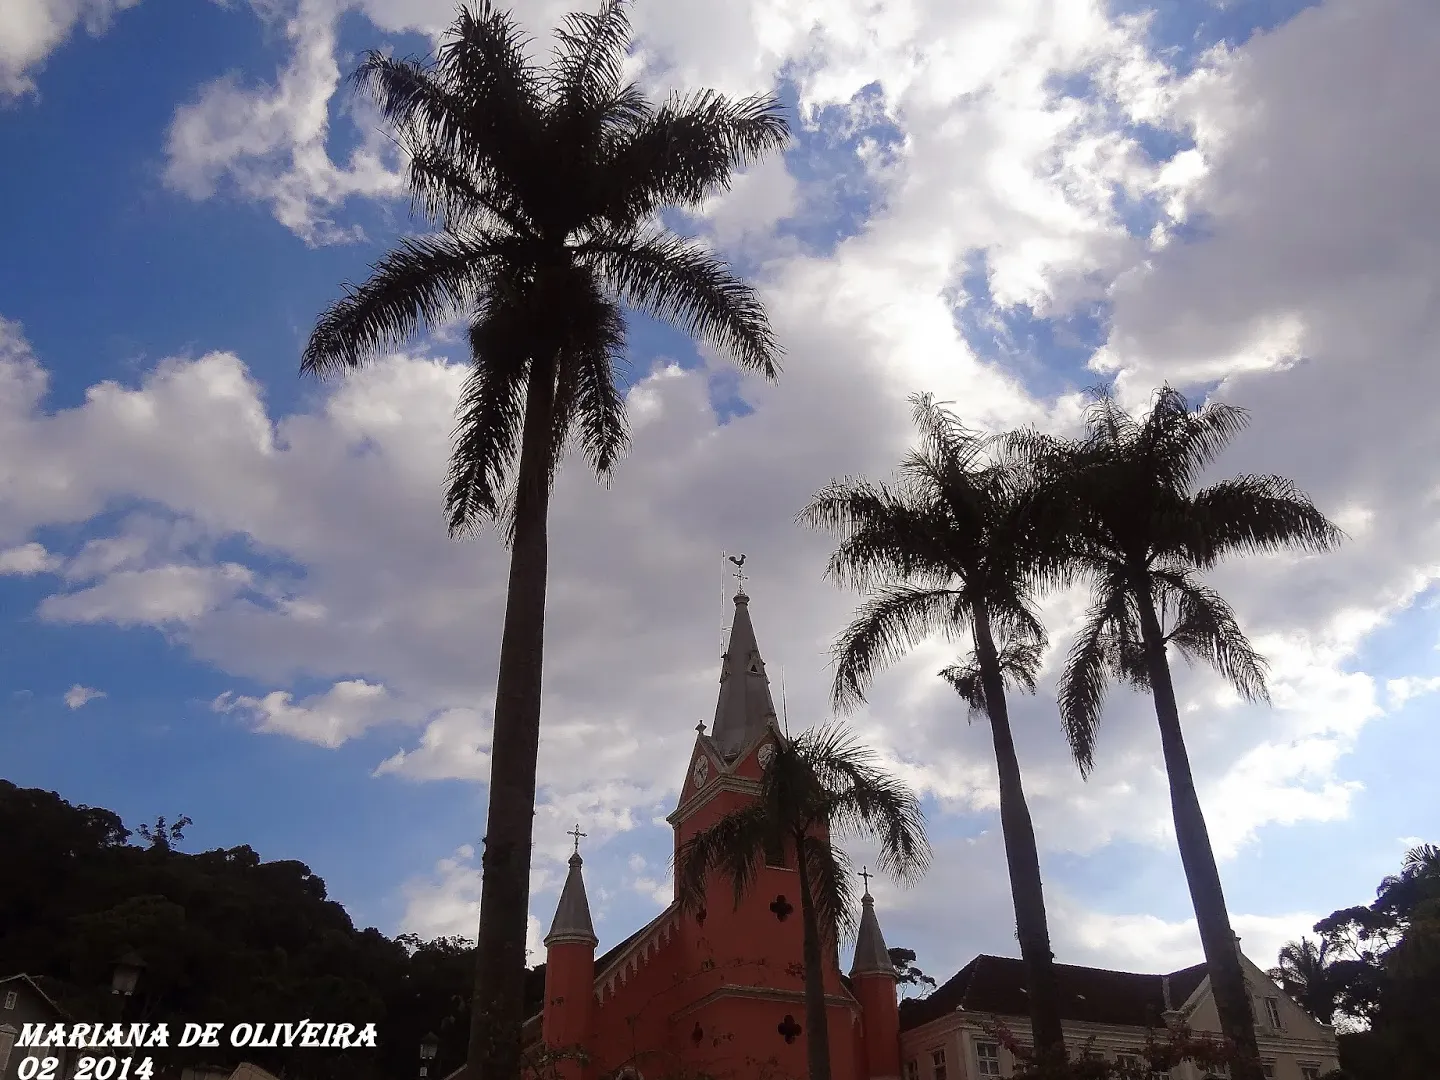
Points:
x=866, y=875
x=577, y=834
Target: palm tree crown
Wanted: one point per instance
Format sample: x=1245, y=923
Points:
x=1141, y=537
x=544, y=187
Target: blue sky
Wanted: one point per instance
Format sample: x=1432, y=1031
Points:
x=999, y=205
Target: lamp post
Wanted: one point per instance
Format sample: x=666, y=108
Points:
x=429, y=1046
x=124, y=976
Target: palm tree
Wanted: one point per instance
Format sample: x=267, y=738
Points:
x=1141, y=536
x=544, y=188
x=948, y=549
x=816, y=787
x=1303, y=972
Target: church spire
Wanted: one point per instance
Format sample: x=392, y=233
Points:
x=744, y=710
x=871, y=955
x=572, y=914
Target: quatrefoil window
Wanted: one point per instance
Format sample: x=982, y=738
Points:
x=781, y=907
x=789, y=1028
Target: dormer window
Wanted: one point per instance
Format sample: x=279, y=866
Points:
x=1272, y=1013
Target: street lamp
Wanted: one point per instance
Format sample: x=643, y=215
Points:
x=126, y=974
x=429, y=1046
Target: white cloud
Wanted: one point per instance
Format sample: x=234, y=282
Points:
x=30, y=30
x=162, y=596
x=269, y=141
x=27, y=559
x=345, y=711
x=79, y=696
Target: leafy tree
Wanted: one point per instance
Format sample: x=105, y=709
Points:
x=950, y=548
x=1304, y=972
x=818, y=784
x=1142, y=536
x=162, y=836
x=544, y=187
x=1387, y=973
x=907, y=973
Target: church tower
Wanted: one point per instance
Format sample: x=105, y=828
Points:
x=874, y=980
x=570, y=968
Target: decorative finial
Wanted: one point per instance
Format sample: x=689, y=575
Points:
x=700, y=728
x=739, y=561
x=577, y=834
x=865, y=874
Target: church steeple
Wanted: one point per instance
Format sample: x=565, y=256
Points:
x=871, y=955
x=744, y=710
x=572, y=914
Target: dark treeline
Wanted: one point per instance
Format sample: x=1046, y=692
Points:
x=225, y=937
x=1376, y=967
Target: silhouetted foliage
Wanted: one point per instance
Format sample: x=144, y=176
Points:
x=1383, y=971
x=225, y=937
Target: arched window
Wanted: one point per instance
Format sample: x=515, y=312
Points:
x=629, y=1072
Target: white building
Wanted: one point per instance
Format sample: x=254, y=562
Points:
x=949, y=1035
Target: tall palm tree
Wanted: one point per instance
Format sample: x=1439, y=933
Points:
x=948, y=549
x=1141, y=536
x=544, y=188
x=1303, y=972
x=817, y=787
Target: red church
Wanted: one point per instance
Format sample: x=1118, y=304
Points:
x=719, y=990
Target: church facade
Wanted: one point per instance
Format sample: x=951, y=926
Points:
x=719, y=990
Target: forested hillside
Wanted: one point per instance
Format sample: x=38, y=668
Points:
x=225, y=936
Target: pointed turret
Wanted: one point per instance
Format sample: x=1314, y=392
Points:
x=871, y=955
x=874, y=978
x=572, y=915
x=570, y=969
x=744, y=710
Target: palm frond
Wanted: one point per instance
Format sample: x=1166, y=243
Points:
x=593, y=406
x=490, y=412
x=733, y=847
x=1098, y=654
x=590, y=52
x=687, y=151
x=425, y=280
x=1206, y=629
x=892, y=620
x=1020, y=659
x=830, y=873
x=1251, y=514
x=679, y=282
x=887, y=533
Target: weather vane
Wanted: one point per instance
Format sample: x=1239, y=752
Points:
x=739, y=561
x=577, y=834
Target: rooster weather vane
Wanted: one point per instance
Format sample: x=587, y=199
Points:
x=739, y=561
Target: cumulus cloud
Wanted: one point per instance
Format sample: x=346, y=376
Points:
x=79, y=696
x=30, y=30
x=27, y=559
x=348, y=709
x=268, y=142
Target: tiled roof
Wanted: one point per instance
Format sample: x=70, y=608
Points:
x=996, y=984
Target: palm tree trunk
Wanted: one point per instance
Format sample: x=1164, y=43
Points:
x=1222, y=955
x=817, y=1027
x=1023, y=859
x=498, y=1012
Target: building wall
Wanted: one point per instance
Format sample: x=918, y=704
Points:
x=27, y=1007
x=959, y=1034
